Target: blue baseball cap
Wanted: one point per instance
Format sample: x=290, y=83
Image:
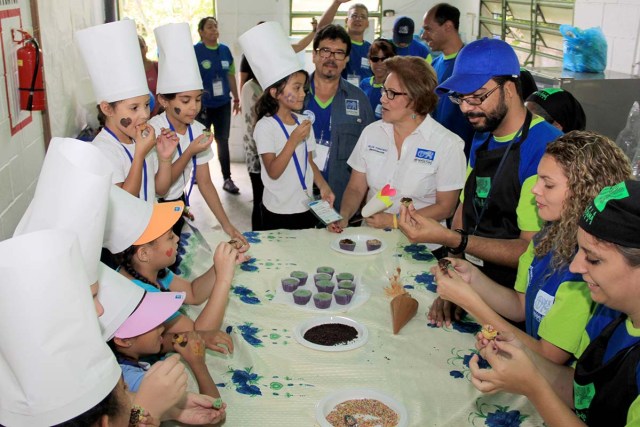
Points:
x=403, y=29
x=477, y=63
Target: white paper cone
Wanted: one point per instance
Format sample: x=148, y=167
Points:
x=373, y=206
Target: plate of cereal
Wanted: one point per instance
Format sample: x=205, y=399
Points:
x=331, y=333
x=367, y=406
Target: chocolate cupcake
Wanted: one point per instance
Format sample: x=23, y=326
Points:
x=328, y=270
x=300, y=275
x=301, y=296
x=343, y=296
x=347, y=284
x=347, y=245
x=325, y=286
x=373, y=244
x=290, y=284
x=321, y=276
x=406, y=201
x=344, y=276
x=322, y=300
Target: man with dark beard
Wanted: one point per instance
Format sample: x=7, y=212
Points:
x=498, y=214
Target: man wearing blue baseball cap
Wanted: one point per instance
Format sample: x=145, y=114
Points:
x=497, y=217
x=406, y=45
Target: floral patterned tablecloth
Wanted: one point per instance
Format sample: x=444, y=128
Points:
x=271, y=380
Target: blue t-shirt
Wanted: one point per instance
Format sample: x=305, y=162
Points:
x=372, y=90
x=133, y=375
x=414, y=49
x=215, y=65
x=359, y=50
x=447, y=113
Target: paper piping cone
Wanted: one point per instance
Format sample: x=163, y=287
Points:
x=403, y=308
x=376, y=204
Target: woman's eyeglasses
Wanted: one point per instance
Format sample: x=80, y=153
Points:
x=391, y=93
x=377, y=59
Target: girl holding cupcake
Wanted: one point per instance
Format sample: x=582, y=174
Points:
x=284, y=138
x=141, y=162
x=180, y=94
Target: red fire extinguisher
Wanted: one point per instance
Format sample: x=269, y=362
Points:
x=30, y=70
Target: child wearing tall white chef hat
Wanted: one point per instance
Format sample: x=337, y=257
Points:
x=180, y=94
x=283, y=137
x=141, y=162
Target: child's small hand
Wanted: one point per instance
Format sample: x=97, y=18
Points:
x=200, y=144
x=301, y=132
x=224, y=262
x=145, y=139
x=190, y=346
x=166, y=143
x=217, y=341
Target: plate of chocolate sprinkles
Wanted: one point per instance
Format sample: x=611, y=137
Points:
x=331, y=333
x=368, y=407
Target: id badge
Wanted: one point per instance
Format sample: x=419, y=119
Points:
x=474, y=260
x=354, y=79
x=321, y=157
x=218, y=88
x=364, y=63
x=323, y=210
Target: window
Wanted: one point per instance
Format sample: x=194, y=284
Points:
x=303, y=10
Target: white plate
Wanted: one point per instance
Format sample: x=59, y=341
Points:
x=326, y=405
x=359, y=297
x=302, y=328
x=361, y=244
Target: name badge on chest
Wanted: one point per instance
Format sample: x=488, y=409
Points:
x=352, y=107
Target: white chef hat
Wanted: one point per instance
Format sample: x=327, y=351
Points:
x=54, y=364
x=269, y=53
x=177, y=64
x=72, y=194
x=112, y=55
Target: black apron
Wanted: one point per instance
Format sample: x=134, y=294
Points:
x=603, y=393
x=491, y=198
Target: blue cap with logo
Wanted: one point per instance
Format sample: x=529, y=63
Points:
x=403, y=29
x=477, y=63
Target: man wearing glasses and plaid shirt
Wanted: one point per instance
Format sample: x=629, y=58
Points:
x=338, y=110
x=498, y=216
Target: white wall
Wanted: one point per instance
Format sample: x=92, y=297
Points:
x=21, y=154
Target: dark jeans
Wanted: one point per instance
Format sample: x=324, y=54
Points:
x=299, y=221
x=258, y=189
x=220, y=118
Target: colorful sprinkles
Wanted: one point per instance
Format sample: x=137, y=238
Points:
x=368, y=413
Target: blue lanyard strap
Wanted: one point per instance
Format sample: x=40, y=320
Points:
x=193, y=160
x=144, y=162
x=301, y=175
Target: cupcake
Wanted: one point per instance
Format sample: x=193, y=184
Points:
x=347, y=245
x=321, y=276
x=347, y=284
x=290, y=284
x=343, y=296
x=301, y=296
x=373, y=244
x=300, y=275
x=328, y=270
x=325, y=286
x=322, y=300
x=343, y=276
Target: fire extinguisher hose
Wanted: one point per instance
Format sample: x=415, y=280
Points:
x=35, y=73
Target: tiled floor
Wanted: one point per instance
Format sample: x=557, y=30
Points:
x=237, y=206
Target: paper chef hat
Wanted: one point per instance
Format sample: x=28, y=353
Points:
x=72, y=194
x=54, y=364
x=112, y=55
x=269, y=53
x=177, y=64
x=129, y=311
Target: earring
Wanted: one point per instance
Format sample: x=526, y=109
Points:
x=413, y=116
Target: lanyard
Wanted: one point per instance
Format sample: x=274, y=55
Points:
x=144, y=162
x=524, y=132
x=301, y=175
x=193, y=160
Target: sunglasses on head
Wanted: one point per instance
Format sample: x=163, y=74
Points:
x=377, y=58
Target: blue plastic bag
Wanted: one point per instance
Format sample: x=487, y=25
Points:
x=585, y=51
